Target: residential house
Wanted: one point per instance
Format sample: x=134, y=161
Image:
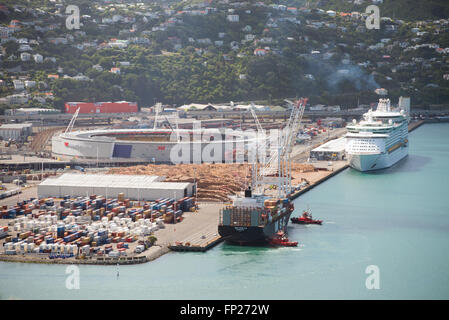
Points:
x=58, y=40
x=38, y=58
x=249, y=37
x=24, y=47
x=266, y=40
x=115, y=70
x=29, y=84
x=234, y=45
x=120, y=44
x=97, y=67
x=25, y=56
x=260, y=52
x=233, y=18
x=18, y=85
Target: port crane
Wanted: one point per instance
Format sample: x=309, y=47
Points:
x=279, y=162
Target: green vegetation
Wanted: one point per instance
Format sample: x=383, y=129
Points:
x=172, y=69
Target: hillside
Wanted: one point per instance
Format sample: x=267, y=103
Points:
x=408, y=10
x=147, y=52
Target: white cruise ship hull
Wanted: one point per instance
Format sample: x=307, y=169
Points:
x=370, y=162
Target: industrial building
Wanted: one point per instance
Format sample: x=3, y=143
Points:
x=16, y=131
x=331, y=150
x=134, y=187
x=30, y=111
x=101, y=107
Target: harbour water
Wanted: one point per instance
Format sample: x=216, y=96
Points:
x=396, y=219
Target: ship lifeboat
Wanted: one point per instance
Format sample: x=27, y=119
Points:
x=306, y=218
x=282, y=240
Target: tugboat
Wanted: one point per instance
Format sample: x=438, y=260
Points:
x=306, y=218
x=282, y=240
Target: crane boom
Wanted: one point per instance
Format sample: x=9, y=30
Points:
x=72, y=121
x=279, y=161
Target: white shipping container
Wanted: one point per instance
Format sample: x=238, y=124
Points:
x=113, y=254
x=30, y=247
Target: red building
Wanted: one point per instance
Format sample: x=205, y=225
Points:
x=101, y=107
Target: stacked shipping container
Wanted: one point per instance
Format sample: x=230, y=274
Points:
x=50, y=237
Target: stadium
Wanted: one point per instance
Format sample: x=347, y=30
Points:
x=155, y=145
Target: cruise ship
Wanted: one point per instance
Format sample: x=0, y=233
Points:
x=379, y=140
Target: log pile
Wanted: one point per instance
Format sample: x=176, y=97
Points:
x=216, y=182
x=302, y=167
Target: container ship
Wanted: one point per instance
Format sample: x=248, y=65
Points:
x=258, y=218
x=254, y=219
x=379, y=140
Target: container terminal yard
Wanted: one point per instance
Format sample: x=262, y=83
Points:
x=112, y=204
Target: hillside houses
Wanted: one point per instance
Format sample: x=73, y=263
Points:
x=246, y=31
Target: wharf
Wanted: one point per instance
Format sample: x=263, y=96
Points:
x=339, y=167
x=196, y=243
x=197, y=232
x=415, y=124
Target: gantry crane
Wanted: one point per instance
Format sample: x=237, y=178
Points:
x=279, y=162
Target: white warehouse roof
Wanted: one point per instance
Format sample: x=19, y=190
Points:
x=101, y=180
x=134, y=187
x=16, y=126
x=336, y=145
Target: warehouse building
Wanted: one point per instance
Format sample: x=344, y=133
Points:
x=101, y=107
x=16, y=131
x=30, y=111
x=331, y=150
x=134, y=187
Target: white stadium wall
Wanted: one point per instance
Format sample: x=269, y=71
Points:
x=88, y=144
x=81, y=148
